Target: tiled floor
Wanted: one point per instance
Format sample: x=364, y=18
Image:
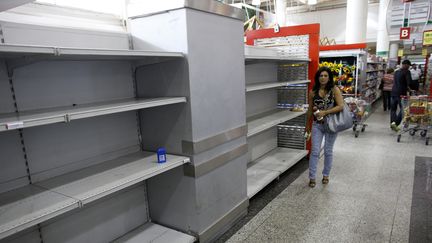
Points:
x=368, y=198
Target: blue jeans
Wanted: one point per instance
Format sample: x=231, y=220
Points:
x=318, y=133
x=395, y=116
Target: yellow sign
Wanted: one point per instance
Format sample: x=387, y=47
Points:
x=427, y=38
x=424, y=52
x=400, y=53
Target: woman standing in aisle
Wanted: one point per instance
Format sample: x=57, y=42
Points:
x=387, y=88
x=324, y=99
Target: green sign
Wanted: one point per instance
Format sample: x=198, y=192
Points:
x=405, y=23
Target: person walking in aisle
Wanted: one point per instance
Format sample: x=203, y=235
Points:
x=387, y=88
x=324, y=99
x=402, y=80
x=415, y=76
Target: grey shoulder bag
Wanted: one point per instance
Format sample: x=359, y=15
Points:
x=340, y=121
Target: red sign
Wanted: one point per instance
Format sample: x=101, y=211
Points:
x=405, y=1
x=404, y=33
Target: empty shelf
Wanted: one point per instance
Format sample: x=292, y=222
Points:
x=18, y=50
x=9, y=50
x=280, y=159
x=151, y=232
x=256, y=53
x=267, y=168
x=256, y=58
x=267, y=121
x=30, y=205
x=258, y=178
x=114, y=54
x=92, y=183
x=65, y=114
x=261, y=86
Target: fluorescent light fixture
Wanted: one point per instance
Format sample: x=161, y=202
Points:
x=312, y=2
x=256, y=2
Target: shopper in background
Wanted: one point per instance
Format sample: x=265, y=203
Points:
x=402, y=79
x=415, y=76
x=387, y=82
x=324, y=99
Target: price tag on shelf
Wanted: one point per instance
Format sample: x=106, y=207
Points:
x=14, y=125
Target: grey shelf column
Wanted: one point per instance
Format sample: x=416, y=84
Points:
x=206, y=197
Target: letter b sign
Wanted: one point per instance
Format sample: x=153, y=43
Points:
x=404, y=33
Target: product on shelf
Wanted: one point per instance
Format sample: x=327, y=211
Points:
x=343, y=75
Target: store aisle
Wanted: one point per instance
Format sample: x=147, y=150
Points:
x=368, y=198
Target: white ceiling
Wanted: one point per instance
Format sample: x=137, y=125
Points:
x=8, y=4
x=295, y=6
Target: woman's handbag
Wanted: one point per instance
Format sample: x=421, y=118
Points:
x=340, y=121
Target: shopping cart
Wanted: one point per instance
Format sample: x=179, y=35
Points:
x=417, y=117
x=360, y=110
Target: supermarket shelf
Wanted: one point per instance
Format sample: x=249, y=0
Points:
x=258, y=178
x=253, y=58
x=261, y=86
x=13, y=121
x=113, y=54
x=9, y=50
x=33, y=204
x=106, y=178
x=151, y=232
x=268, y=120
x=263, y=54
x=30, y=205
x=380, y=70
x=20, y=50
x=270, y=166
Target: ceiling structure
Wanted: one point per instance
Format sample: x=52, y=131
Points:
x=298, y=6
x=8, y=4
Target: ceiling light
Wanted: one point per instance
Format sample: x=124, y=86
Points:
x=256, y=2
x=312, y=2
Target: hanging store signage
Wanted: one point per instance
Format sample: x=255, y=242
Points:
x=424, y=52
x=400, y=52
x=427, y=38
x=404, y=33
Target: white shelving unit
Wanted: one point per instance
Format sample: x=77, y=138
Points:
x=35, y=203
x=351, y=56
x=151, y=232
x=374, y=73
x=271, y=166
x=9, y=50
x=109, y=177
x=272, y=161
x=66, y=114
x=268, y=120
x=30, y=205
x=271, y=85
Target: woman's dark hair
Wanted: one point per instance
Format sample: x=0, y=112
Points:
x=330, y=83
x=390, y=70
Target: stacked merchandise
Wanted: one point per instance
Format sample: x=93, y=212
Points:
x=343, y=74
x=293, y=97
x=374, y=74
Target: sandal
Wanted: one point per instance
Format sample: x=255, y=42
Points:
x=325, y=180
x=312, y=183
